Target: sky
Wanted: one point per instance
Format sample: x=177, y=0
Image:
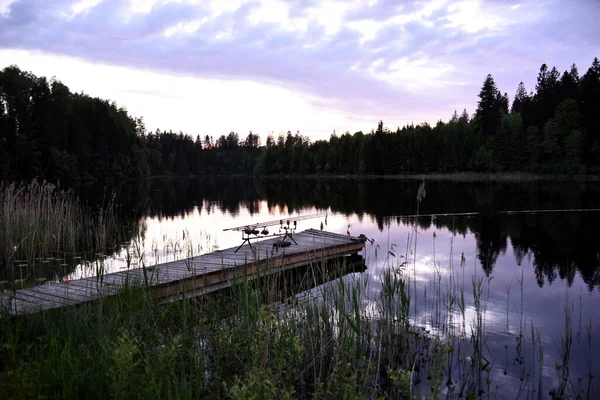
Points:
x=216, y=66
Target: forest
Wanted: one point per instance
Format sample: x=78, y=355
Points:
x=48, y=132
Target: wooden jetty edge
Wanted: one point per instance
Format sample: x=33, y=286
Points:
x=189, y=277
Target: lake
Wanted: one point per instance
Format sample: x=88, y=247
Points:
x=528, y=249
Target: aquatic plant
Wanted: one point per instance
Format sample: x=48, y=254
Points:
x=338, y=339
x=43, y=228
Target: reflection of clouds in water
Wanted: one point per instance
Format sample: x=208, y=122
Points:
x=514, y=247
x=192, y=233
x=507, y=310
x=372, y=309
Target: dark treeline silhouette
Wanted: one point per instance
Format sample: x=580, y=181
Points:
x=47, y=132
x=558, y=244
x=554, y=129
x=179, y=154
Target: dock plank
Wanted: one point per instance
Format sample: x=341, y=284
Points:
x=64, y=293
x=19, y=306
x=187, y=276
x=333, y=235
x=45, y=301
x=198, y=261
x=92, y=287
x=181, y=270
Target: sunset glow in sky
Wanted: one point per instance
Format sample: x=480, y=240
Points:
x=211, y=67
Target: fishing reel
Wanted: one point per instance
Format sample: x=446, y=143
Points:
x=287, y=225
x=251, y=231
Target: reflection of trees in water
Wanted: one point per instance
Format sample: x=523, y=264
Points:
x=178, y=197
x=169, y=198
x=560, y=244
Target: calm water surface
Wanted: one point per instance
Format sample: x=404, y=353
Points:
x=532, y=245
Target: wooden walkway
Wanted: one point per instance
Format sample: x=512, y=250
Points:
x=190, y=277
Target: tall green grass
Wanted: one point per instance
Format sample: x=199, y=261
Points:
x=338, y=339
x=43, y=228
x=234, y=345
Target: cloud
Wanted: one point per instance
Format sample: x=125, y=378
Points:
x=413, y=59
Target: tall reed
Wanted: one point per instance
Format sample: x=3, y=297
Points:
x=340, y=339
x=42, y=225
x=335, y=340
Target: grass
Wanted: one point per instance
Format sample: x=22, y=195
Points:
x=236, y=345
x=322, y=339
x=45, y=231
x=336, y=340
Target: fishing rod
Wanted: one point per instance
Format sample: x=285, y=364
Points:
x=288, y=225
x=281, y=222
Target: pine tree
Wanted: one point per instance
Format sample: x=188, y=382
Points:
x=569, y=84
x=596, y=66
x=454, y=117
x=489, y=106
x=207, y=142
x=521, y=98
x=379, y=130
x=575, y=73
x=504, y=103
x=547, y=94
x=547, y=81
x=590, y=104
x=270, y=141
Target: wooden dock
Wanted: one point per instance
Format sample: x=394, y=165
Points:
x=189, y=277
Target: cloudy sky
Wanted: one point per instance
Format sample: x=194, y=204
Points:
x=213, y=66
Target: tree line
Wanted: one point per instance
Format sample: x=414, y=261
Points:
x=48, y=132
x=554, y=129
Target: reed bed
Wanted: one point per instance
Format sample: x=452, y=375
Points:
x=339, y=339
x=354, y=337
x=44, y=228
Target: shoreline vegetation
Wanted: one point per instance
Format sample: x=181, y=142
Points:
x=45, y=231
x=337, y=340
x=340, y=341
x=57, y=135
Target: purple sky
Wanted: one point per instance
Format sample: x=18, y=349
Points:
x=209, y=67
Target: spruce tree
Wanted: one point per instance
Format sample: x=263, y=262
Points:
x=454, y=117
x=464, y=117
x=590, y=104
x=489, y=106
x=521, y=98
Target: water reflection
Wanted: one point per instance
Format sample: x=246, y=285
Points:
x=560, y=244
x=292, y=282
x=538, y=270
